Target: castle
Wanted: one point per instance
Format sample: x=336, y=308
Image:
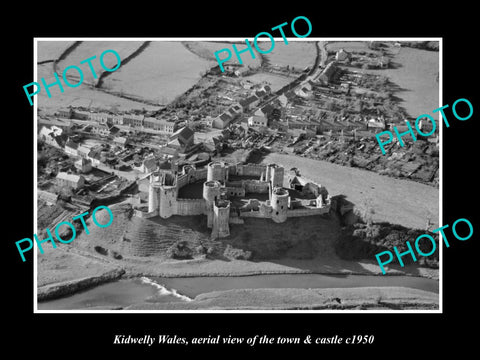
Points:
x=229, y=193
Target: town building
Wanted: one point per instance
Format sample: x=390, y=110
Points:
x=255, y=120
x=71, y=147
x=95, y=155
x=100, y=118
x=81, y=115
x=249, y=103
x=375, y=124
x=83, y=151
x=104, y=129
x=327, y=74
x=222, y=121
x=283, y=100
x=117, y=119
x=182, y=139
x=304, y=90
x=48, y=197
x=121, y=141
x=133, y=120
x=168, y=152
x=342, y=55
x=235, y=110
x=52, y=136
x=70, y=180
x=158, y=125
x=65, y=113
x=148, y=165
x=83, y=165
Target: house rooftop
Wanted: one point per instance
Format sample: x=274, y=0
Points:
x=69, y=177
x=225, y=117
x=185, y=132
x=155, y=120
x=71, y=144
x=248, y=100
x=120, y=140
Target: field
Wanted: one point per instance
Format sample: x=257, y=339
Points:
x=161, y=72
x=414, y=71
x=51, y=50
x=88, y=49
x=297, y=54
x=83, y=95
x=276, y=82
x=206, y=50
x=416, y=75
x=155, y=76
x=350, y=46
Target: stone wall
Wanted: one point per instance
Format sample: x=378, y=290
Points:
x=250, y=169
x=256, y=186
x=190, y=206
x=235, y=191
x=182, y=180
x=144, y=215
x=201, y=174
x=307, y=212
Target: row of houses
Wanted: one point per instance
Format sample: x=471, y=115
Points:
x=107, y=120
x=243, y=106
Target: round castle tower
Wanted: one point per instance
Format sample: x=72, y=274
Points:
x=167, y=201
x=211, y=192
x=153, y=193
x=279, y=203
x=167, y=196
x=221, y=216
x=216, y=171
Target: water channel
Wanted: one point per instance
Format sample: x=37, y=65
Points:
x=126, y=292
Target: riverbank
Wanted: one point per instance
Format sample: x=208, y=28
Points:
x=53, y=291
x=366, y=298
x=66, y=271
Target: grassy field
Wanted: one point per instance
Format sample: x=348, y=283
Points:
x=298, y=54
x=51, y=50
x=206, y=50
x=397, y=201
x=350, y=46
x=414, y=71
x=59, y=265
x=276, y=82
x=160, y=73
x=416, y=75
x=83, y=95
x=88, y=49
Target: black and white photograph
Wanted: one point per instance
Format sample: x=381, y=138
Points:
x=229, y=186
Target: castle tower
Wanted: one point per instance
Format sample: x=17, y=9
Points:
x=221, y=216
x=167, y=196
x=153, y=194
x=216, y=171
x=274, y=175
x=211, y=192
x=279, y=203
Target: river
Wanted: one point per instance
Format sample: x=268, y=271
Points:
x=130, y=291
